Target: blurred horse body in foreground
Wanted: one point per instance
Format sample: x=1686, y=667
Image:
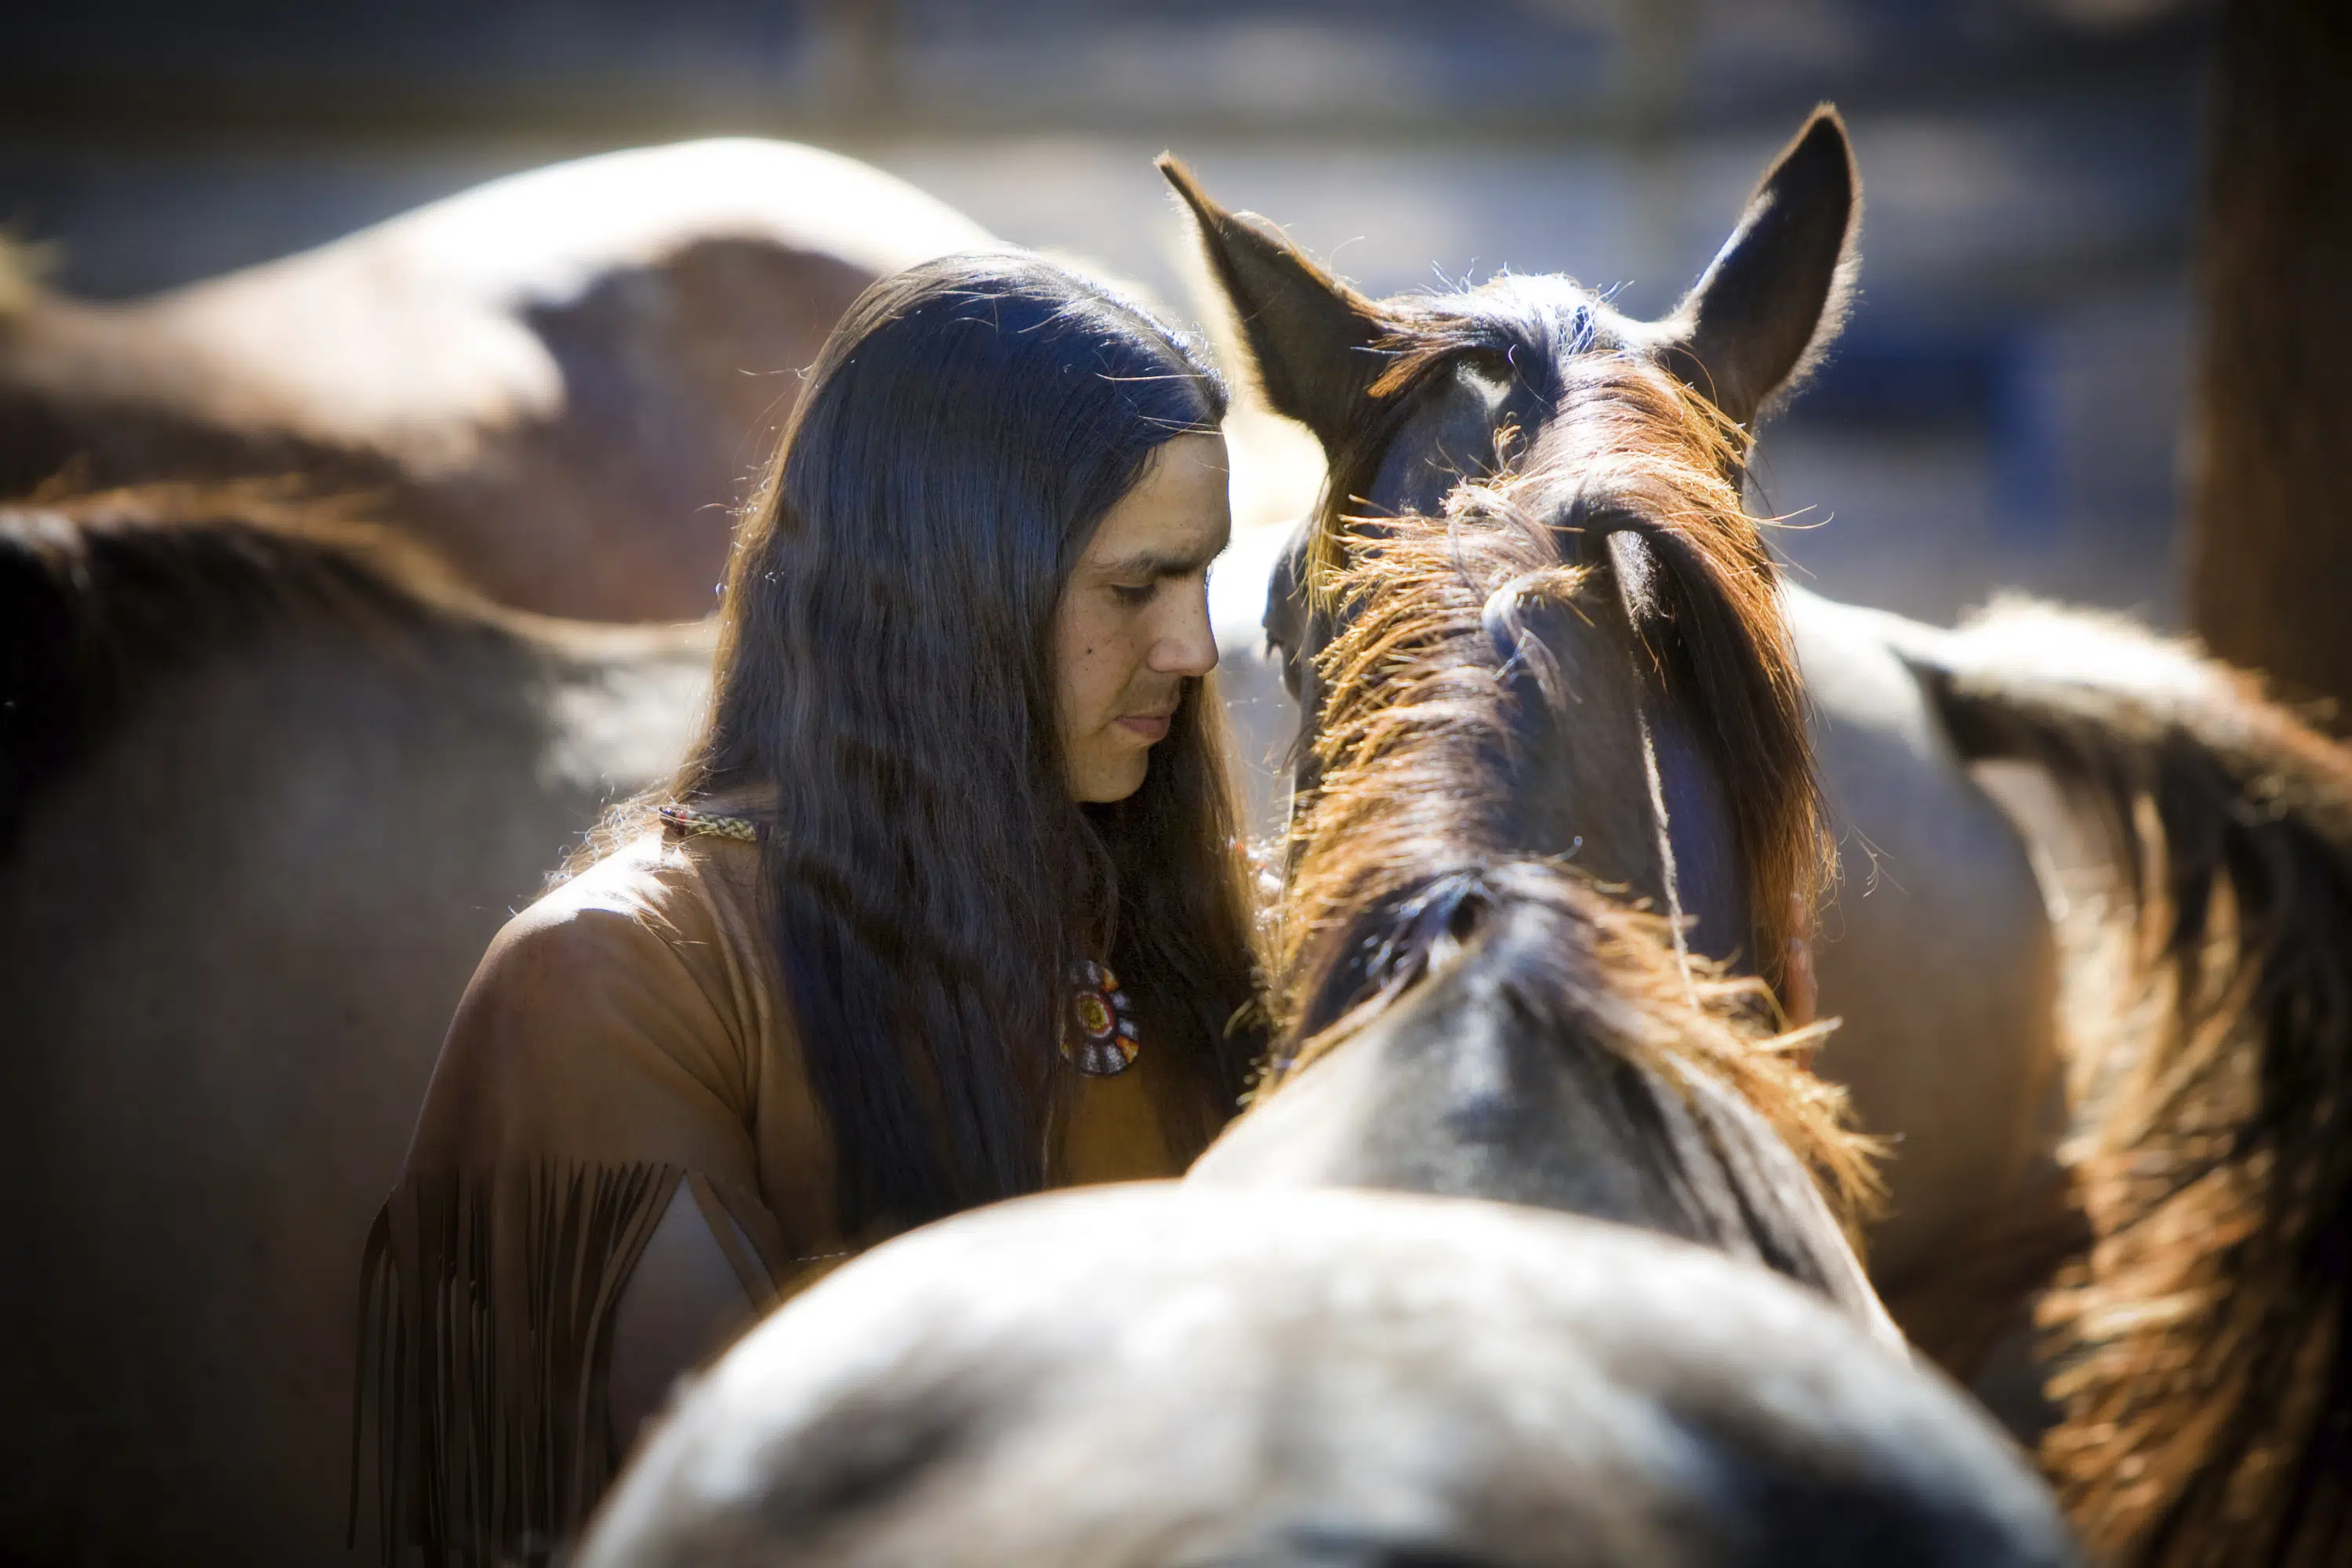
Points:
x=560, y=379
x=267, y=787
x=2185, y=1150
x=1159, y=1376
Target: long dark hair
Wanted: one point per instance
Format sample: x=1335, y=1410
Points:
x=887, y=669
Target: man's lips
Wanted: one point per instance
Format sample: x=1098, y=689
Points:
x=1146, y=726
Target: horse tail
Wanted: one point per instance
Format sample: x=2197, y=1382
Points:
x=2203, y=1375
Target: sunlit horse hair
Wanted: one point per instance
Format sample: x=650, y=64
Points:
x=1631, y=448
x=2204, y=1344
x=1403, y=849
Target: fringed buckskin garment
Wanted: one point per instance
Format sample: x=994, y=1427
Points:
x=622, y=1039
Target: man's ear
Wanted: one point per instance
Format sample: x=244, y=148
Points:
x=1776, y=294
x=1311, y=340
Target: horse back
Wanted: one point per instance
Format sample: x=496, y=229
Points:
x=1937, y=956
x=563, y=380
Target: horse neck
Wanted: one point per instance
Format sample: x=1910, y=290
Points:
x=1616, y=776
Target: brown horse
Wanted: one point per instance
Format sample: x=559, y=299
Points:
x=268, y=786
x=2204, y=1396
x=557, y=379
x=1961, y=1058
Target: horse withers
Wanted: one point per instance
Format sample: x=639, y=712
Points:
x=2204, y=1392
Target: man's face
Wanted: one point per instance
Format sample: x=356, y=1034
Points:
x=1134, y=618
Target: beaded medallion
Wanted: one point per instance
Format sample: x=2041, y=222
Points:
x=1100, y=1040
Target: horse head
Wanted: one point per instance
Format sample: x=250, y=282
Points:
x=1686, y=776
x=1540, y=650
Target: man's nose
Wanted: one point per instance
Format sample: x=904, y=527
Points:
x=1188, y=646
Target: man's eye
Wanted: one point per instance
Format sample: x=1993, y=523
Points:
x=1134, y=598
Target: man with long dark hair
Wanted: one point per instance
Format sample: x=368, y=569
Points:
x=945, y=905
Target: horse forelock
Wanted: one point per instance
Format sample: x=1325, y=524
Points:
x=1407, y=852
x=1618, y=443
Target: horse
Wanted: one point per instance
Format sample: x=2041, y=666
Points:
x=2178, y=1155
x=1158, y=1375
x=558, y=379
x=1350, y=1334
x=269, y=780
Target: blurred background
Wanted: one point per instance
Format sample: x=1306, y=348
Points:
x=2005, y=406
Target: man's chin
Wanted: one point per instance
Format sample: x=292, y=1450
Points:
x=1111, y=782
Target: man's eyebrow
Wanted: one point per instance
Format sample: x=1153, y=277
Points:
x=1160, y=562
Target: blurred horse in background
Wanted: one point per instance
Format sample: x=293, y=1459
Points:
x=560, y=379
x=269, y=780
x=2189, y=1165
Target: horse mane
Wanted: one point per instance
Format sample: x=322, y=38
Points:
x=1404, y=854
x=1629, y=446
x=2206, y=1340
x=106, y=597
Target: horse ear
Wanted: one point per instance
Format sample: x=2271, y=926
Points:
x=1310, y=338
x=1776, y=294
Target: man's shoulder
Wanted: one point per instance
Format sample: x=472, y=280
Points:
x=651, y=922
x=651, y=887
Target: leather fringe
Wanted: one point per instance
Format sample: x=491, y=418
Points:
x=486, y=1340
